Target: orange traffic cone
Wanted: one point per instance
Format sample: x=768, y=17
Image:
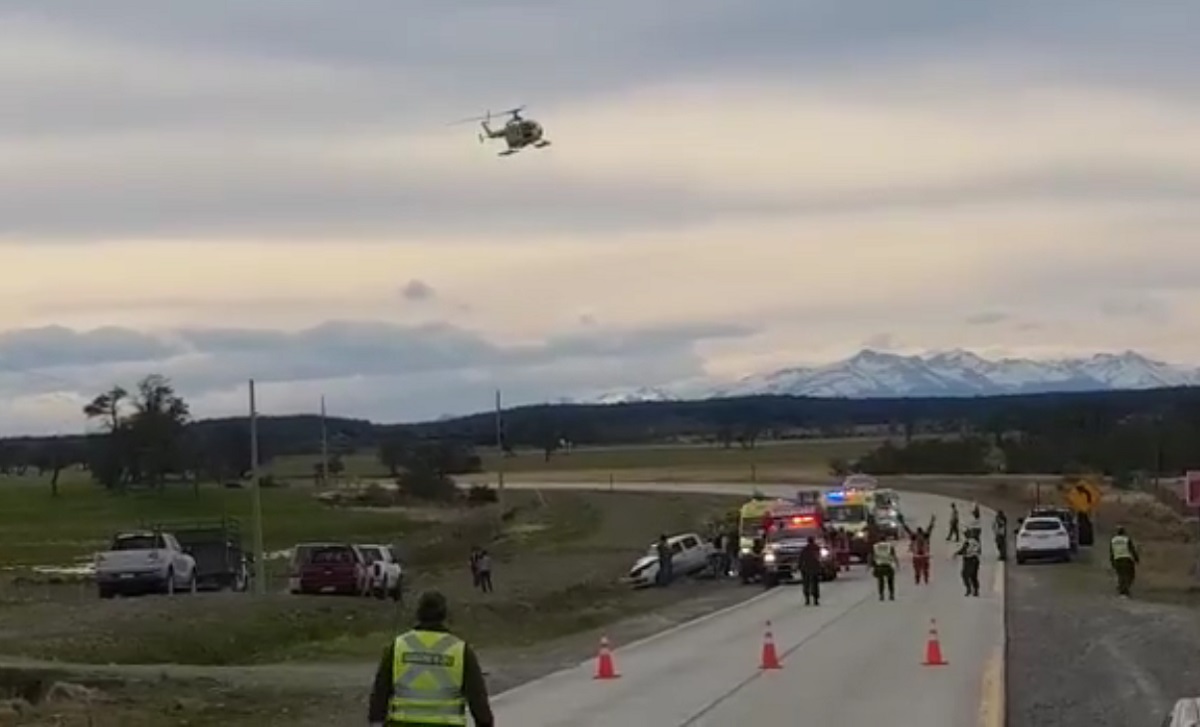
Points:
x=770, y=659
x=933, y=647
x=605, y=669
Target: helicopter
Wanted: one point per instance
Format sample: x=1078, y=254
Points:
x=518, y=132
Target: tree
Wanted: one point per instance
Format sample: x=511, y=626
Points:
x=394, y=450
x=107, y=407
x=145, y=434
x=53, y=457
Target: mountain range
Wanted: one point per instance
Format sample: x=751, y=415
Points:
x=957, y=373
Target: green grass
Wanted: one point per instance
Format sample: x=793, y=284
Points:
x=557, y=566
x=687, y=461
x=38, y=529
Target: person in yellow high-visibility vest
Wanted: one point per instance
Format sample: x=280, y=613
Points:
x=883, y=564
x=1123, y=555
x=429, y=676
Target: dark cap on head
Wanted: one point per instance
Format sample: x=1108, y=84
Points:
x=432, y=607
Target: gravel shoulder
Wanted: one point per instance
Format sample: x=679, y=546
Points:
x=1080, y=656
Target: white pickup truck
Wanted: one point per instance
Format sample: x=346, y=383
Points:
x=144, y=562
x=385, y=575
x=690, y=555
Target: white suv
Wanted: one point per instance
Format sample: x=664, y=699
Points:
x=1043, y=537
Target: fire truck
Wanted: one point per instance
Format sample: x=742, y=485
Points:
x=789, y=531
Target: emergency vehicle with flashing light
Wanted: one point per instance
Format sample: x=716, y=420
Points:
x=850, y=511
x=788, y=534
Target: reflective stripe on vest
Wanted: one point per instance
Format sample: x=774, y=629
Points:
x=973, y=548
x=883, y=553
x=428, y=674
x=1120, y=547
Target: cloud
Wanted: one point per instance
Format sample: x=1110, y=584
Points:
x=732, y=188
x=424, y=371
x=229, y=121
x=1143, y=307
x=417, y=290
x=881, y=342
x=987, y=318
x=55, y=346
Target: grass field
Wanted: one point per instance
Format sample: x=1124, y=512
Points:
x=773, y=460
x=38, y=529
x=558, y=561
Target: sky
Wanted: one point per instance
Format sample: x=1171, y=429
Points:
x=222, y=190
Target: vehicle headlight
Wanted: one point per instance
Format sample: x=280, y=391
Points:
x=824, y=552
x=861, y=534
x=769, y=557
x=744, y=551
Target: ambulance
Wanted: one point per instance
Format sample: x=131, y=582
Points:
x=849, y=511
x=751, y=538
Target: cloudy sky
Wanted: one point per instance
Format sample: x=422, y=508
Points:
x=223, y=189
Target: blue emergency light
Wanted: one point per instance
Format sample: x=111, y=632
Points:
x=836, y=496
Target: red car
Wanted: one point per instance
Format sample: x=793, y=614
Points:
x=332, y=569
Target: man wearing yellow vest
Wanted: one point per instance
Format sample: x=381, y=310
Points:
x=883, y=564
x=1124, y=557
x=428, y=676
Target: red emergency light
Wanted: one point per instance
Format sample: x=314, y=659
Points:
x=803, y=520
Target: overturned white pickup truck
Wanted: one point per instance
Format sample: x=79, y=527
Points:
x=144, y=561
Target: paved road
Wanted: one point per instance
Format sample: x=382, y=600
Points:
x=852, y=661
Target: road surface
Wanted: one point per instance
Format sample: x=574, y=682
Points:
x=852, y=661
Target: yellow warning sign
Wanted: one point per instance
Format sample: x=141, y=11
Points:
x=1083, y=496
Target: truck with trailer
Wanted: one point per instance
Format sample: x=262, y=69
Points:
x=216, y=545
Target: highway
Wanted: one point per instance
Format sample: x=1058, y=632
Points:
x=852, y=661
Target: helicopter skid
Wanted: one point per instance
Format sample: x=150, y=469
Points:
x=541, y=144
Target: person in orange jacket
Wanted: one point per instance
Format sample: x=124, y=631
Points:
x=918, y=545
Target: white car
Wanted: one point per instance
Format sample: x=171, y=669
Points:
x=690, y=556
x=1185, y=713
x=146, y=561
x=1043, y=537
x=384, y=574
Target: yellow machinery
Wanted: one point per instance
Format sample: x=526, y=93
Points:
x=1083, y=497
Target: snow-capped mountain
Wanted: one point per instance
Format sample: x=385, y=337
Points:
x=871, y=374
x=644, y=393
x=962, y=373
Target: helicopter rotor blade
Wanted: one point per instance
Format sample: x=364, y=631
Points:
x=472, y=119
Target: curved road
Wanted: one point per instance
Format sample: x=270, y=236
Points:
x=852, y=661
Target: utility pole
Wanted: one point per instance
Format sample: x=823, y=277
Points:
x=500, y=451
x=260, y=565
x=324, y=447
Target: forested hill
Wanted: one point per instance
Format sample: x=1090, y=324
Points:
x=745, y=419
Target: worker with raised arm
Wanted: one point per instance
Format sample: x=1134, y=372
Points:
x=428, y=677
x=970, y=551
x=1123, y=554
x=918, y=546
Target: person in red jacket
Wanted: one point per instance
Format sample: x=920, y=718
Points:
x=918, y=545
